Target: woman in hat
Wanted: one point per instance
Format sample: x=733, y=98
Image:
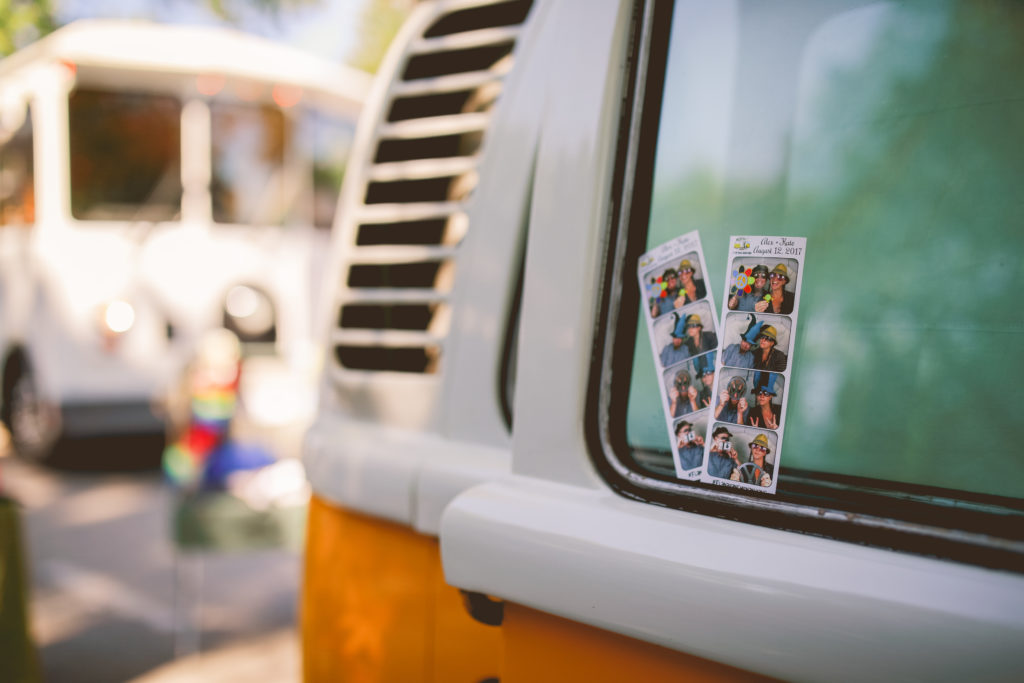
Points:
x=766, y=356
x=764, y=413
x=781, y=300
x=690, y=289
x=757, y=470
x=697, y=339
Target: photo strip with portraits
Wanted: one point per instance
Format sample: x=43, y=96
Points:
x=751, y=385
x=682, y=325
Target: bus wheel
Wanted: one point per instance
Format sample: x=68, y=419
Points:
x=34, y=425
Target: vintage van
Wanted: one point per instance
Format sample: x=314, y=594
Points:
x=494, y=490
x=156, y=182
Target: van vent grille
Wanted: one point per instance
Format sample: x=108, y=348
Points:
x=400, y=240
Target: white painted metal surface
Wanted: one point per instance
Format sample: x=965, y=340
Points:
x=401, y=445
x=782, y=604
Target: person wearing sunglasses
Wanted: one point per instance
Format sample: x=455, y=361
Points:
x=754, y=300
x=781, y=300
x=766, y=356
x=669, y=300
x=690, y=288
x=757, y=470
x=707, y=380
x=764, y=413
x=697, y=339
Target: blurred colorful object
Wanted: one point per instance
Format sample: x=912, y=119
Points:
x=213, y=398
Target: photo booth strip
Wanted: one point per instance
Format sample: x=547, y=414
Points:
x=748, y=366
x=678, y=306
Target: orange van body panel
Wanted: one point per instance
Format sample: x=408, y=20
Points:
x=541, y=647
x=375, y=608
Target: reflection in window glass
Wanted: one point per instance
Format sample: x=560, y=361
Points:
x=891, y=135
x=17, y=199
x=248, y=185
x=329, y=140
x=125, y=155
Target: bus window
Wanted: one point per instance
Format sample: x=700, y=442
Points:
x=125, y=155
x=328, y=140
x=17, y=200
x=883, y=133
x=248, y=143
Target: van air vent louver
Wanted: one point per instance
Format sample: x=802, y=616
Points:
x=392, y=308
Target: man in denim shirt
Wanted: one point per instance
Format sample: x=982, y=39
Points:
x=689, y=445
x=723, y=459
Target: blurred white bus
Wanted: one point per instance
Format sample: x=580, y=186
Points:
x=156, y=182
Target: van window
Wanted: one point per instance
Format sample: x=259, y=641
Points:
x=891, y=135
x=125, y=155
x=248, y=143
x=17, y=198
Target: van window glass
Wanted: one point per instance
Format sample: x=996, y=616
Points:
x=891, y=135
x=125, y=155
x=17, y=198
x=248, y=184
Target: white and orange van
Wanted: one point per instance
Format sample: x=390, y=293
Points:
x=494, y=494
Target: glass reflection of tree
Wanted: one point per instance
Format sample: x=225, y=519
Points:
x=911, y=361
x=902, y=173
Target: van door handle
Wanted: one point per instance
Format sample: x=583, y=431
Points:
x=484, y=608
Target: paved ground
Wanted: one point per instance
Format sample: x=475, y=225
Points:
x=112, y=600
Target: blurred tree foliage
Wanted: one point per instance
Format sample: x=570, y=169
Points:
x=229, y=10
x=379, y=22
x=22, y=21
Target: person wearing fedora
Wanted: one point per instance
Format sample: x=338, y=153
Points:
x=764, y=413
x=781, y=300
x=754, y=300
x=682, y=396
x=723, y=458
x=689, y=445
x=758, y=470
x=707, y=380
x=697, y=339
x=767, y=357
x=690, y=288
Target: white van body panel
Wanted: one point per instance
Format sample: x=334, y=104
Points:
x=400, y=445
x=787, y=605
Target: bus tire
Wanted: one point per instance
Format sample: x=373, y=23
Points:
x=34, y=426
